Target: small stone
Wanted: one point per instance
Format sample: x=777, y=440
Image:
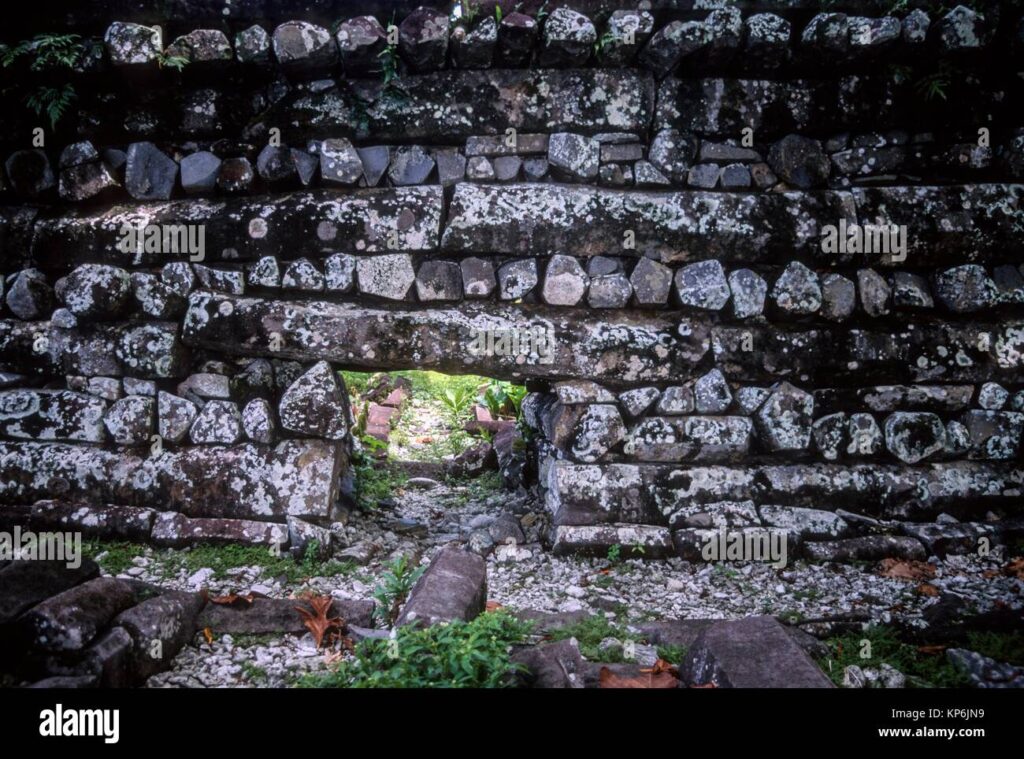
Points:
x=711, y=393
x=339, y=272
x=340, y=163
x=479, y=169
x=992, y=396
x=875, y=293
x=130, y=420
x=565, y=282
x=218, y=423
x=439, y=281
x=838, y=297
x=258, y=421
x=517, y=278
x=651, y=282
x=568, y=38
x=385, y=275
x=304, y=49
x=702, y=285
x=199, y=172
x=609, y=291
x=785, y=419
x=477, y=277
x=748, y=293
x=574, y=157
x=149, y=173
x=410, y=165
x=799, y=161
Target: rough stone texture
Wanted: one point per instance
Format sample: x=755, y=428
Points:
x=750, y=653
x=297, y=477
x=149, y=173
x=303, y=49
x=785, y=418
x=453, y=587
x=316, y=404
x=702, y=285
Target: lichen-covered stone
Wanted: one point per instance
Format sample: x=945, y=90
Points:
x=130, y=420
x=52, y=415
x=965, y=289
x=360, y=41
x=711, y=393
x=568, y=38
x=199, y=172
x=799, y=161
x=201, y=46
x=565, y=281
x=439, y=281
x=302, y=48
x=423, y=39
x=316, y=404
x=385, y=276
x=258, y=421
x=517, y=278
x=132, y=44
x=219, y=422
x=574, y=157
x=875, y=293
x=702, y=285
x=303, y=275
x=673, y=42
x=748, y=293
x=339, y=162
x=785, y=418
x=174, y=416
x=829, y=433
x=914, y=436
x=797, y=290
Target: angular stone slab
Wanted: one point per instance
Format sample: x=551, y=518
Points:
x=52, y=415
x=637, y=540
x=591, y=494
x=297, y=478
x=70, y=620
x=108, y=522
x=23, y=584
x=464, y=103
x=276, y=615
x=246, y=229
x=453, y=587
x=755, y=652
x=159, y=628
x=178, y=531
x=679, y=226
x=617, y=348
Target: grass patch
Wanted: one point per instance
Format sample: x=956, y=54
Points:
x=922, y=670
x=114, y=557
x=251, y=640
x=117, y=557
x=590, y=632
x=454, y=655
x=672, y=654
x=376, y=482
x=254, y=673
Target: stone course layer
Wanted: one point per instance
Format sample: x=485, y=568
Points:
x=758, y=264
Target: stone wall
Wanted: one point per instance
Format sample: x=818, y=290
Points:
x=646, y=194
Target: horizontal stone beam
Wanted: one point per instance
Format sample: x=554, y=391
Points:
x=618, y=349
x=456, y=104
x=945, y=225
x=676, y=226
x=587, y=494
x=626, y=348
x=306, y=223
x=296, y=478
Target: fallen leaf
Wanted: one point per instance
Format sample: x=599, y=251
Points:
x=926, y=589
x=705, y=685
x=936, y=649
x=644, y=680
x=320, y=626
x=493, y=606
x=208, y=634
x=234, y=599
x=662, y=666
x=906, y=570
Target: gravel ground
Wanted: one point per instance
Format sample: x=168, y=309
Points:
x=526, y=577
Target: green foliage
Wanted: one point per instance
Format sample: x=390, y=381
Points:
x=602, y=42
x=935, y=85
x=615, y=554
x=456, y=654
x=47, y=51
x=376, y=481
x=671, y=653
x=356, y=382
x=116, y=557
x=590, y=632
x=503, y=398
x=398, y=580
x=176, y=62
x=457, y=402
x=254, y=673
x=113, y=557
x=921, y=669
x=497, y=13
